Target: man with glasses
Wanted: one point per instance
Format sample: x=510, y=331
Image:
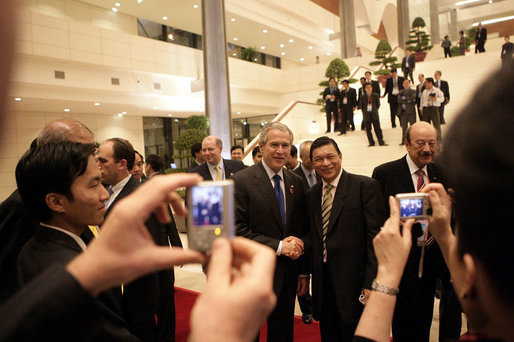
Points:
x=413, y=312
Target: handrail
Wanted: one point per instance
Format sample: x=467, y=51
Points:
x=249, y=148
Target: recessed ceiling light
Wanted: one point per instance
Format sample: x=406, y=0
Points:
x=123, y=113
x=310, y=48
x=283, y=53
x=291, y=41
x=302, y=59
x=328, y=53
x=155, y=107
x=66, y=109
x=114, y=9
x=255, y=59
x=234, y=54
x=170, y=114
x=120, y=115
x=282, y=45
x=264, y=31
x=195, y=6
x=117, y=4
x=17, y=99
x=170, y=36
x=238, y=112
x=97, y=103
x=235, y=38
x=233, y=19
x=139, y=1
x=176, y=120
x=165, y=18
x=263, y=48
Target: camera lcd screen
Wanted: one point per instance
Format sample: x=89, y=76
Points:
x=411, y=207
x=207, y=205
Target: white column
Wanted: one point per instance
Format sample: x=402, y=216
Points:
x=347, y=25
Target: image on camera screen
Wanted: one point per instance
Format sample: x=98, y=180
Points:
x=207, y=205
x=411, y=207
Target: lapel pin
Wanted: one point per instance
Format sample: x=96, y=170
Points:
x=291, y=189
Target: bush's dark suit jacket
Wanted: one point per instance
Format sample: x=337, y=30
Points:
x=49, y=247
x=356, y=216
x=152, y=294
x=230, y=166
x=389, y=89
x=17, y=226
x=416, y=297
x=258, y=216
x=352, y=97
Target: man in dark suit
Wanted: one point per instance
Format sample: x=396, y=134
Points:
x=306, y=170
x=60, y=184
x=215, y=167
x=154, y=165
x=415, y=304
x=360, y=92
x=406, y=110
x=137, y=170
x=196, y=152
x=480, y=38
x=270, y=209
x=331, y=97
x=507, y=53
x=370, y=102
x=346, y=213
x=419, y=91
x=149, y=296
x=408, y=65
x=393, y=86
x=17, y=224
x=374, y=84
x=348, y=104
x=443, y=85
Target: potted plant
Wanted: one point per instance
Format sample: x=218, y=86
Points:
x=337, y=69
x=419, y=40
x=383, y=59
x=249, y=54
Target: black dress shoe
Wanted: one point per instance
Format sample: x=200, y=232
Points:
x=327, y=131
x=353, y=128
x=341, y=133
x=307, y=318
x=383, y=144
x=370, y=145
x=401, y=144
x=394, y=126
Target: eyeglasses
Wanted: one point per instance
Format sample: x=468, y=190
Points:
x=422, y=143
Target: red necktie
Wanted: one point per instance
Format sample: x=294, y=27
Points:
x=421, y=180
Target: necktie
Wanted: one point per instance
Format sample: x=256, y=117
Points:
x=421, y=180
x=280, y=198
x=109, y=190
x=219, y=174
x=326, y=208
x=94, y=230
x=311, y=180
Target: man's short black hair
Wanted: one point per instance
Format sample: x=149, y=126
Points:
x=294, y=151
x=367, y=72
x=123, y=149
x=331, y=78
x=394, y=70
x=50, y=168
x=197, y=147
x=363, y=78
x=155, y=162
x=461, y=32
x=479, y=167
x=322, y=141
x=235, y=147
x=346, y=81
x=430, y=80
x=255, y=150
x=140, y=156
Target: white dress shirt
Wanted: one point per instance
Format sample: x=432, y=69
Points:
x=426, y=101
x=412, y=169
x=77, y=238
x=116, y=189
x=272, y=173
x=214, y=172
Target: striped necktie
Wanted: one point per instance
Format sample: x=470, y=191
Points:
x=326, y=209
x=421, y=180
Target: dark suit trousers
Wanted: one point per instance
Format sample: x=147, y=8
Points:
x=369, y=119
x=480, y=46
x=408, y=72
x=281, y=320
x=331, y=111
x=431, y=115
x=441, y=114
x=450, y=313
x=347, y=115
x=305, y=302
x=330, y=323
x=393, y=106
x=405, y=120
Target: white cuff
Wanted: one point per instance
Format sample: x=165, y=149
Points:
x=279, y=249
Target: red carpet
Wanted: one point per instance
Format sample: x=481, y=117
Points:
x=185, y=299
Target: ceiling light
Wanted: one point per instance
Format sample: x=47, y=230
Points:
x=328, y=53
x=120, y=115
x=465, y=2
x=310, y=47
x=176, y=120
x=117, y=4
x=123, y=113
x=283, y=53
x=329, y=31
x=255, y=59
x=97, y=103
x=114, y=9
x=170, y=114
x=282, y=45
x=490, y=1
x=66, y=109
x=238, y=112
x=264, y=31
x=302, y=59
x=17, y=99
x=291, y=41
x=139, y=1
x=195, y=6
x=492, y=21
x=155, y=107
x=263, y=48
x=165, y=18
x=234, y=54
x=235, y=38
x=170, y=36
x=233, y=19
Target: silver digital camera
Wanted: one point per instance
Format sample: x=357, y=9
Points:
x=414, y=205
x=211, y=213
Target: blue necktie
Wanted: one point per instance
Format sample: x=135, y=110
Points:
x=280, y=198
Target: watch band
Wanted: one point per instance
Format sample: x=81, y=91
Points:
x=393, y=291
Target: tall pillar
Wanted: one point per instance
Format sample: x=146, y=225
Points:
x=402, y=10
x=217, y=91
x=454, y=30
x=434, y=22
x=347, y=25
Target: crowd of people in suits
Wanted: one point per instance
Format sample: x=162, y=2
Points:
x=429, y=98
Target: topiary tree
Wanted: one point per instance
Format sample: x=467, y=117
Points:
x=249, y=54
x=200, y=122
x=382, y=58
x=419, y=40
x=337, y=69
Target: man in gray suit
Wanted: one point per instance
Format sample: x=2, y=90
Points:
x=406, y=108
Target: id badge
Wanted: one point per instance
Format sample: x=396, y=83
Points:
x=370, y=107
x=345, y=100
